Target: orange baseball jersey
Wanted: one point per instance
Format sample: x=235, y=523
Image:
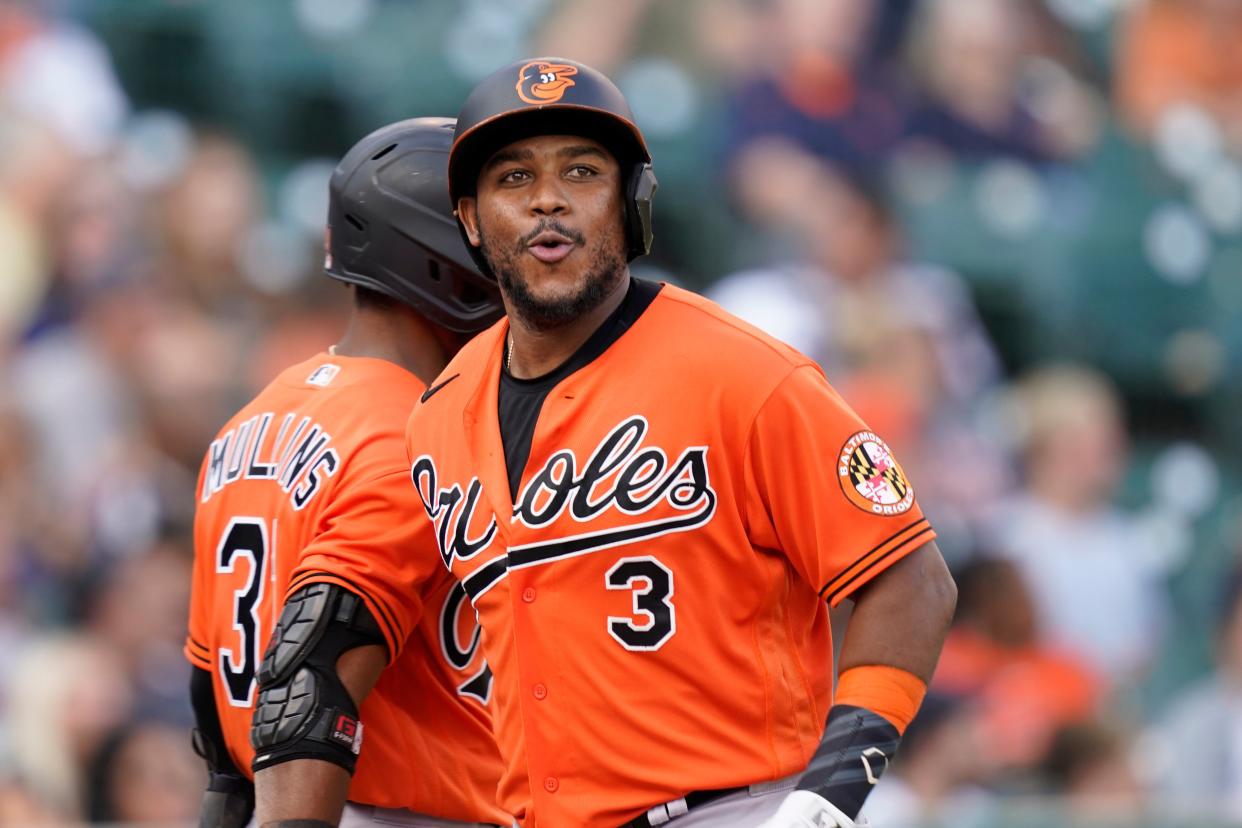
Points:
x=652, y=537
x=309, y=483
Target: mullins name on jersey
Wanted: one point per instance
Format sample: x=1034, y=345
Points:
x=298, y=459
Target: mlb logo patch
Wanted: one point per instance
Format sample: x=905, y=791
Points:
x=323, y=375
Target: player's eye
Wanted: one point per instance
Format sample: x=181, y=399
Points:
x=581, y=171
x=514, y=176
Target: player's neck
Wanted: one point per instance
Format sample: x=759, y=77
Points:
x=537, y=351
x=398, y=335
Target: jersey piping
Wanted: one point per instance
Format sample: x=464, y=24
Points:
x=903, y=540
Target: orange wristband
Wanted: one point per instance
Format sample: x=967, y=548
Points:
x=890, y=692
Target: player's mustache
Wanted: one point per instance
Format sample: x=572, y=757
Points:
x=556, y=227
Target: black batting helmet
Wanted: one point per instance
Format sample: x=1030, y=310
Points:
x=551, y=96
x=391, y=227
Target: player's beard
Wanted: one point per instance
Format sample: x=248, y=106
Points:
x=605, y=269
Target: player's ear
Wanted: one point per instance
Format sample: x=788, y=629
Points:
x=468, y=213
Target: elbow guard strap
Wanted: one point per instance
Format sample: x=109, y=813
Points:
x=855, y=752
x=304, y=711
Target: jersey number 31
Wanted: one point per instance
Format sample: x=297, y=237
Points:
x=245, y=537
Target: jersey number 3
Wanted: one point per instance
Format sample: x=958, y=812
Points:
x=654, y=618
x=245, y=537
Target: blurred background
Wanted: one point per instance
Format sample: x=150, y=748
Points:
x=1011, y=231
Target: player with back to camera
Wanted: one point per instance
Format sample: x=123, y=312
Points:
x=652, y=506
x=302, y=528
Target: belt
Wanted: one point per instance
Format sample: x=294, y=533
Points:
x=410, y=819
x=661, y=814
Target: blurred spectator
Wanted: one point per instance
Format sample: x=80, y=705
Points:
x=66, y=693
x=968, y=58
x=138, y=611
x=60, y=75
x=1093, y=767
x=35, y=168
x=180, y=391
x=889, y=28
x=940, y=773
x=40, y=545
x=20, y=807
x=1090, y=567
x=1025, y=688
x=807, y=78
x=95, y=394
x=125, y=381
x=600, y=33
x=98, y=242
x=204, y=217
x=68, y=386
x=59, y=103
x=1199, y=738
x=145, y=774
x=1175, y=53
x=858, y=284
x=900, y=339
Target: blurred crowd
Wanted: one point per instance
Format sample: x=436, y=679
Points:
x=159, y=268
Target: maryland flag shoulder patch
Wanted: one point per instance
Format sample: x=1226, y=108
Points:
x=871, y=478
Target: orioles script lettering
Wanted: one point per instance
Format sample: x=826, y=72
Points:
x=620, y=474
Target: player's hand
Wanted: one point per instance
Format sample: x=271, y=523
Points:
x=806, y=809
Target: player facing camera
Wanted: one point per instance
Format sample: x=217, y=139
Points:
x=652, y=505
x=554, y=199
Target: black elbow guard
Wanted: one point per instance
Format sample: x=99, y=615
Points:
x=304, y=711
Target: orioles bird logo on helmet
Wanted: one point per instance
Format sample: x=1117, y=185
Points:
x=540, y=82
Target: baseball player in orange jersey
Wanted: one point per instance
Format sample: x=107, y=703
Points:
x=652, y=506
x=302, y=528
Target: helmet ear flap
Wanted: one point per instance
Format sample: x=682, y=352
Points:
x=640, y=190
